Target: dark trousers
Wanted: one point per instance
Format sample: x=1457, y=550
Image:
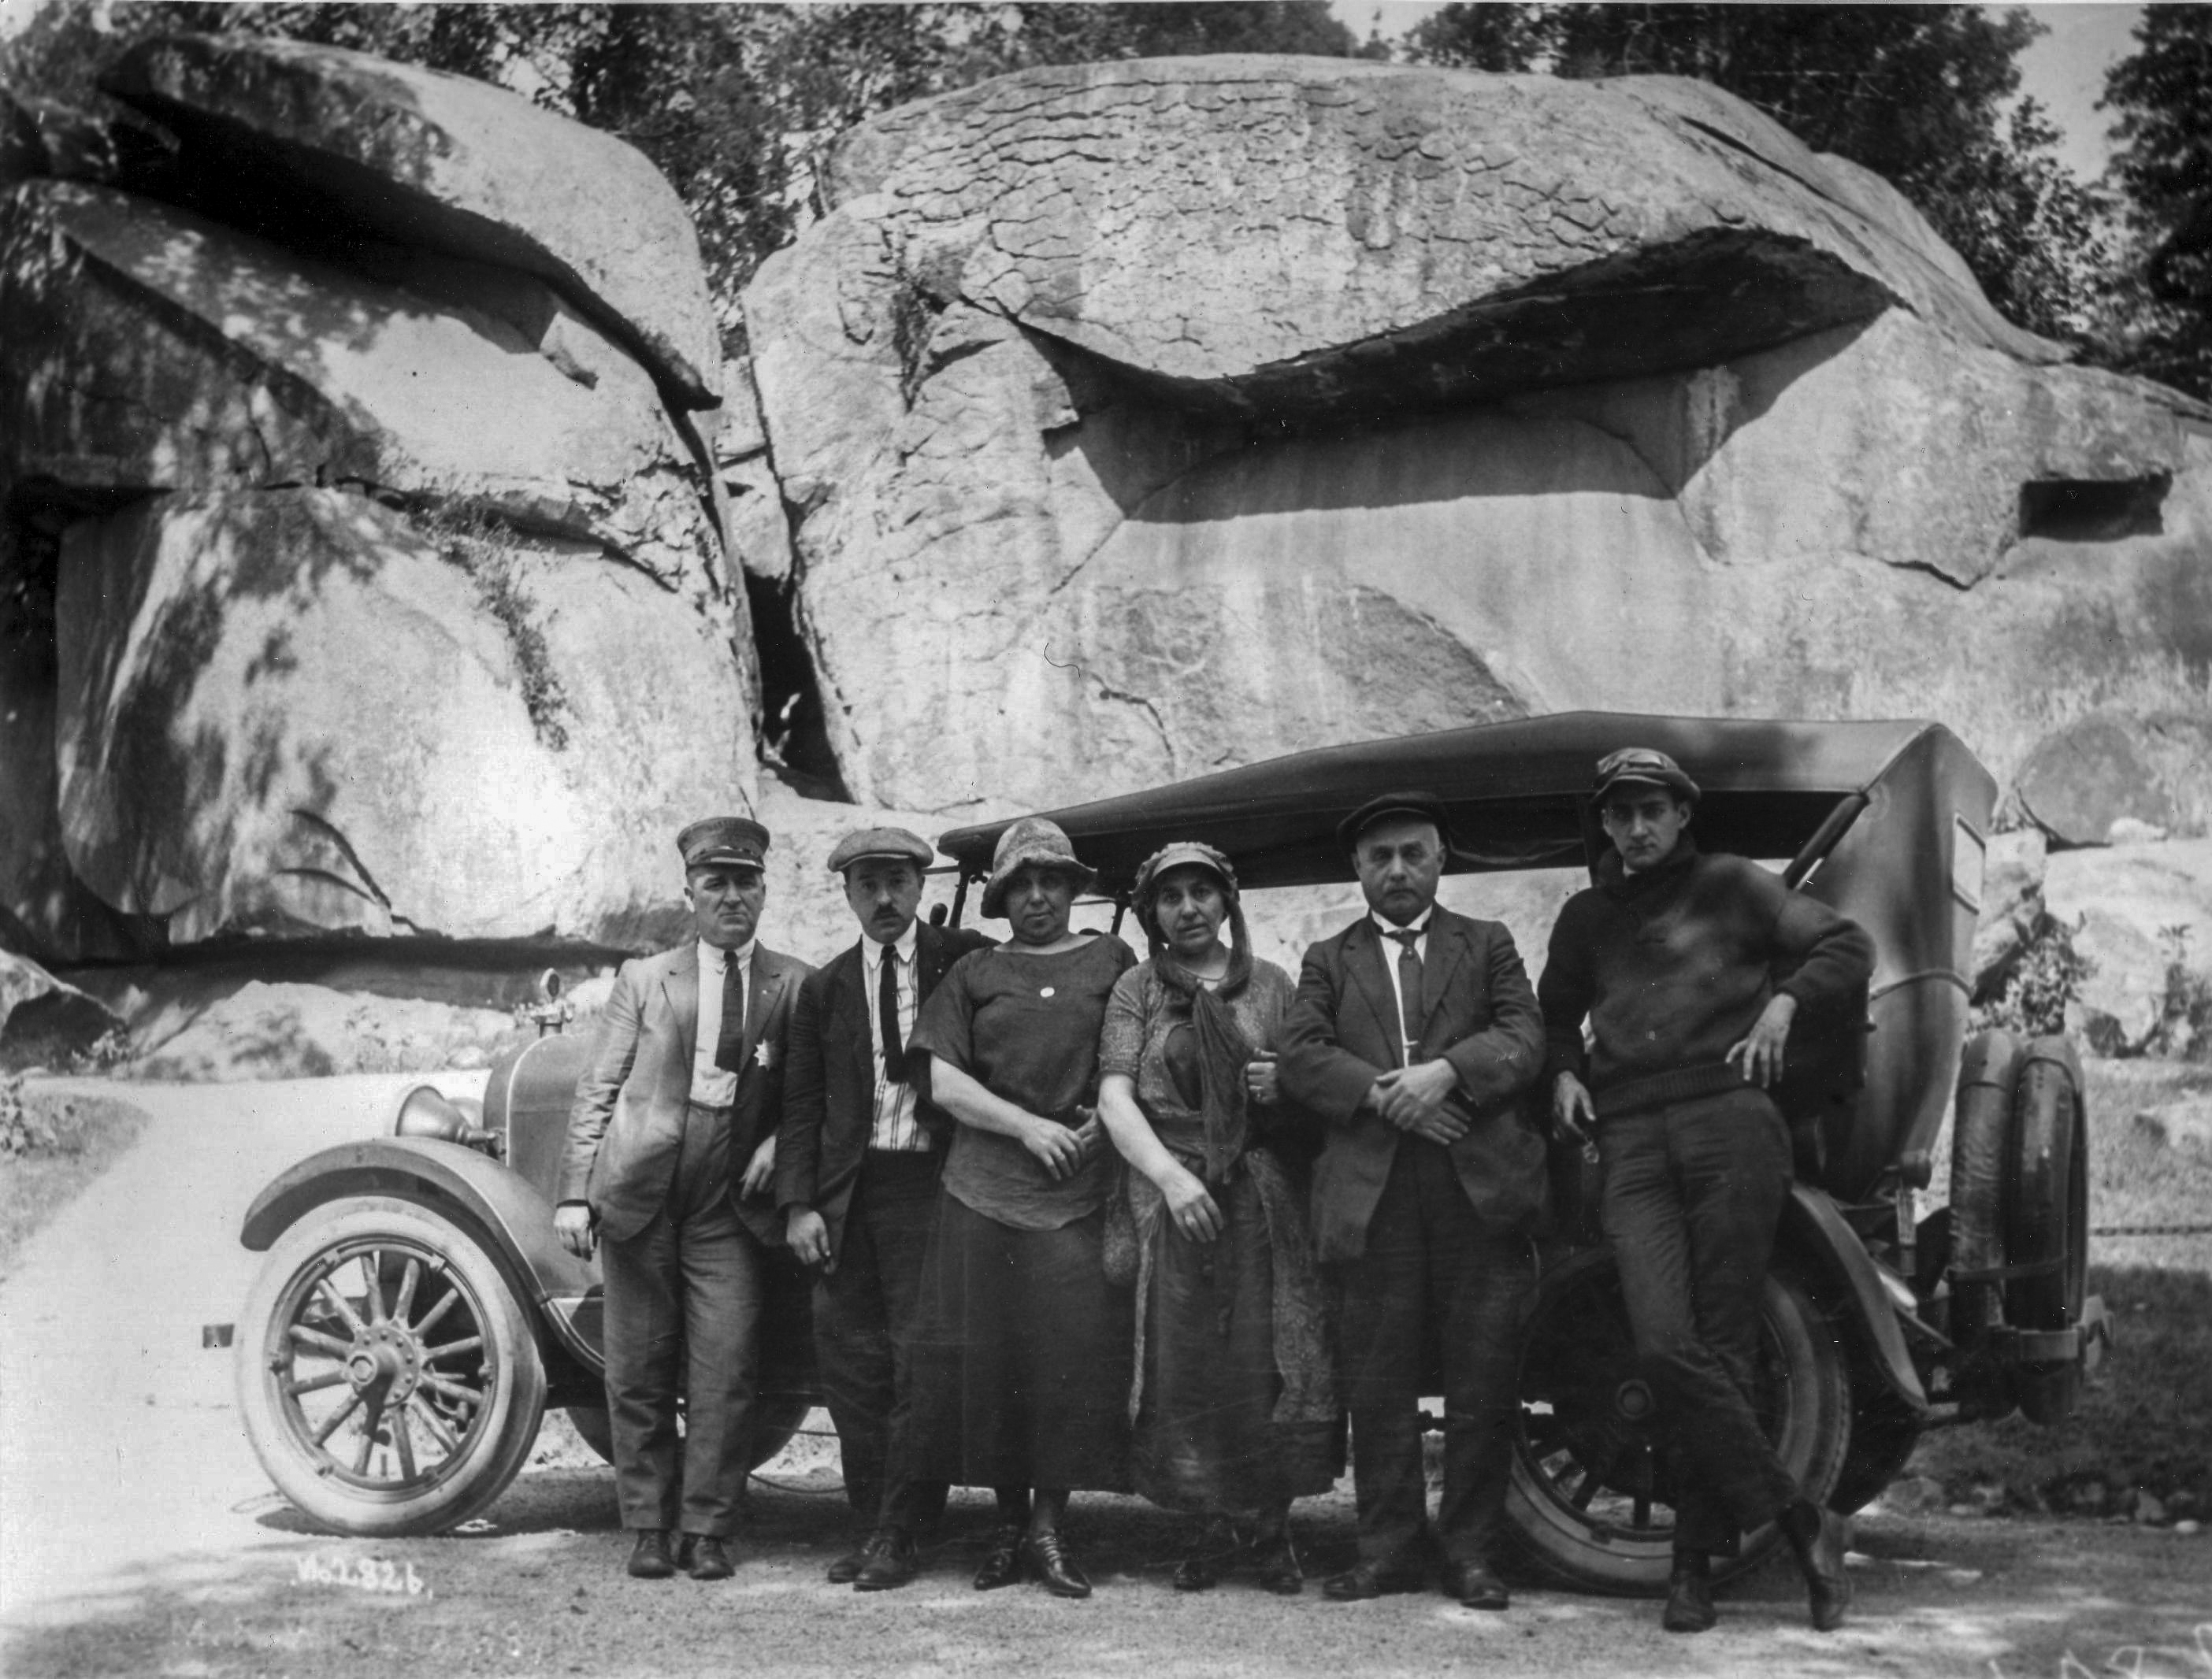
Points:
x=864, y=1315
x=1432, y=1276
x=1694, y=1192
x=683, y=1301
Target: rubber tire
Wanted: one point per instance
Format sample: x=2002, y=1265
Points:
x=2047, y=1217
x=780, y=1418
x=1815, y=1443
x=1884, y=1431
x=517, y=1402
x=1982, y=1132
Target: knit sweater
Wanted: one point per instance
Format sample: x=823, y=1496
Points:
x=1672, y=967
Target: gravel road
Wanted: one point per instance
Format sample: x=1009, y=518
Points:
x=138, y=1537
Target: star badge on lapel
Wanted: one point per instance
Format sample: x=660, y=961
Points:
x=764, y=1053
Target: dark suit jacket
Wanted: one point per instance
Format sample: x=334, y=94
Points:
x=1480, y=1014
x=829, y=1093
x=627, y=1123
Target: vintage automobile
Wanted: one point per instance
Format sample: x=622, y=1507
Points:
x=415, y=1315
x=1878, y=1323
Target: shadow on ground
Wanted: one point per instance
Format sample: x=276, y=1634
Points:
x=538, y=1589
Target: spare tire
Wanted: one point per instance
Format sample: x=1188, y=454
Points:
x=2046, y=1223
x=1982, y=1130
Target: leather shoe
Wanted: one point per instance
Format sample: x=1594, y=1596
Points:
x=1003, y=1565
x=1049, y=1562
x=1275, y=1563
x=648, y=1558
x=1820, y=1555
x=1371, y=1579
x=706, y=1557
x=847, y=1568
x=1689, y=1602
x=890, y=1563
x=1475, y=1585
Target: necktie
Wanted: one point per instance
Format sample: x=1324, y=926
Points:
x=887, y=1017
x=730, y=1046
x=1409, y=988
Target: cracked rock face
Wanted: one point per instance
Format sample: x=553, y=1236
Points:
x=291, y=711
x=1139, y=420
x=154, y=350
x=1271, y=234
x=447, y=163
x=364, y=551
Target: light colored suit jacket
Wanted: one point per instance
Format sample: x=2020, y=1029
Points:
x=1478, y=1012
x=626, y=1126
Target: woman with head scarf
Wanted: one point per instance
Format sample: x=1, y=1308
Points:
x=1232, y=1398
x=1021, y=1366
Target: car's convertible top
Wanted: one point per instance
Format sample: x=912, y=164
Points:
x=1518, y=794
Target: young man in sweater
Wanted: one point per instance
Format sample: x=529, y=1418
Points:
x=1669, y=957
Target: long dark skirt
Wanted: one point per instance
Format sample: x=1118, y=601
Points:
x=1021, y=1367
x=1211, y=1437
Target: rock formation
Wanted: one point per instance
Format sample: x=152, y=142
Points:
x=369, y=570
x=1177, y=399
x=378, y=555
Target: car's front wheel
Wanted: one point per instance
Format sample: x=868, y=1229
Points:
x=389, y=1379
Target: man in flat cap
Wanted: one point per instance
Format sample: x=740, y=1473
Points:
x=1670, y=957
x=1414, y=1035
x=857, y=1165
x=670, y=1158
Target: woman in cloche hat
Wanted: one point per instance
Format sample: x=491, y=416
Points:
x=1233, y=1402
x=1021, y=1365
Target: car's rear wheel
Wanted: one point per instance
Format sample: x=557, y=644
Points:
x=1592, y=1491
x=388, y=1378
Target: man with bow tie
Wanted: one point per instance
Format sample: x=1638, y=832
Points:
x=669, y=1164
x=1414, y=1035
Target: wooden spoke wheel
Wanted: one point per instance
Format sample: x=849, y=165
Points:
x=389, y=1379
x=1593, y=1490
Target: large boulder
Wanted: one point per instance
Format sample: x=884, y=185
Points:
x=1285, y=234
x=154, y=350
x=447, y=163
x=2113, y=767
x=291, y=711
x=1041, y=553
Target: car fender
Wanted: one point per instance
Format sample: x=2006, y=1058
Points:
x=515, y=1218
x=1813, y=1227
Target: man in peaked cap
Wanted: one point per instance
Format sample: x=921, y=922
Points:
x=671, y=1157
x=1670, y=959
x=857, y=1164
x=1414, y=1035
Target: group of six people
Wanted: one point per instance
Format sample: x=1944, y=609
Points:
x=1084, y=1222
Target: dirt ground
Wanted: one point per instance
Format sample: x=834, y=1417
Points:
x=138, y=1537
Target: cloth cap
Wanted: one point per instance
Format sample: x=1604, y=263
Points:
x=732, y=842
x=1427, y=807
x=1031, y=842
x=884, y=842
x=1178, y=854
x=1641, y=763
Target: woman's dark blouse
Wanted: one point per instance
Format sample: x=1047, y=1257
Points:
x=1025, y=1026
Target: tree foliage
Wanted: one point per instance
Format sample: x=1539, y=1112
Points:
x=2163, y=94
x=1920, y=94
x=736, y=104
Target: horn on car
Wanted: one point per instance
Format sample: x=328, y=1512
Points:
x=427, y=1112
